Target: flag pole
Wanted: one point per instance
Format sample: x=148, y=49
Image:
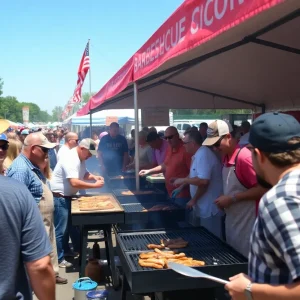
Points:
x=90, y=83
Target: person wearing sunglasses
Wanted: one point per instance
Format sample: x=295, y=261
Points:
x=71, y=141
x=176, y=165
x=3, y=152
x=240, y=188
x=205, y=183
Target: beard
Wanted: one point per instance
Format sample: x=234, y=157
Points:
x=263, y=182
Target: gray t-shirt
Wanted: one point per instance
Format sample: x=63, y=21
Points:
x=23, y=238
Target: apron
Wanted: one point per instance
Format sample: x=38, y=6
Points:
x=46, y=207
x=240, y=216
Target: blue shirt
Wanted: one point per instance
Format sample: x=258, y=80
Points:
x=24, y=238
x=113, y=150
x=52, y=158
x=24, y=171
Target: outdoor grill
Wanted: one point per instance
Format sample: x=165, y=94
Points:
x=220, y=260
x=154, y=195
x=134, y=214
x=125, y=181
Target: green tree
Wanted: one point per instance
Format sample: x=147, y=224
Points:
x=85, y=97
x=56, y=113
x=1, y=86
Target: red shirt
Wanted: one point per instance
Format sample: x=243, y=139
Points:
x=244, y=169
x=177, y=163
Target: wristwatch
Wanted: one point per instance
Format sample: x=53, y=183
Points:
x=248, y=291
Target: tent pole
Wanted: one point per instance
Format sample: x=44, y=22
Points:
x=136, y=136
x=91, y=121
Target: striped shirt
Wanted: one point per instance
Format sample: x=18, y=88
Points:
x=24, y=171
x=275, y=242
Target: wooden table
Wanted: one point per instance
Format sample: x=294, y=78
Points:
x=98, y=220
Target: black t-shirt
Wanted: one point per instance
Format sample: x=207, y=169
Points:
x=113, y=150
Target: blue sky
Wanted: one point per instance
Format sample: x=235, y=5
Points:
x=42, y=43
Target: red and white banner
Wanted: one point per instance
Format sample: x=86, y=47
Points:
x=195, y=22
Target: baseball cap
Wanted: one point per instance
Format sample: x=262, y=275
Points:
x=271, y=132
x=216, y=130
x=3, y=137
x=89, y=144
x=25, y=131
x=44, y=142
x=4, y=124
x=152, y=136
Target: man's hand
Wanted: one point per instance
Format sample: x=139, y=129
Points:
x=99, y=183
x=223, y=201
x=98, y=178
x=178, y=181
x=144, y=172
x=237, y=285
x=191, y=204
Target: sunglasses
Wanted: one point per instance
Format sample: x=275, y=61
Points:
x=75, y=140
x=218, y=143
x=169, y=137
x=4, y=147
x=45, y=150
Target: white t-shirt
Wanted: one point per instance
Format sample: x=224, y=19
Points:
x=62, y=151
x=206, y=165
x=67, y=167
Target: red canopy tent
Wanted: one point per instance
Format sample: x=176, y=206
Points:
x=214, y=54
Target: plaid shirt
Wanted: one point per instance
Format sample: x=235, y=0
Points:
x=24, y=171
x=275, y=242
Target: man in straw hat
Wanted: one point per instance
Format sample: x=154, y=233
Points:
x=26, y=250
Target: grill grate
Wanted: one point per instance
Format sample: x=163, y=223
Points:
x=213, y=257
x=199, y=237
x=118, y=193
x=138, y=207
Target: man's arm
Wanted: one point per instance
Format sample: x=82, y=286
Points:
x=35, y=248
x=252, y=194
x=279, y=292
x=158, y=169
x=80, y=184
x=42, y=278
x=196, y=181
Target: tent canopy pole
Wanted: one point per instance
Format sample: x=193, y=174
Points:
x=91, y=122
x=136, y=136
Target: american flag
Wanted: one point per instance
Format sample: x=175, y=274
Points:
x=82, y=71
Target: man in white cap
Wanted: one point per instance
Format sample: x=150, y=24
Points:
x=240, y=188
x=70, y=175
x=25, y=252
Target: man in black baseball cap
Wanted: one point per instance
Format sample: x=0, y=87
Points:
x=274, y=258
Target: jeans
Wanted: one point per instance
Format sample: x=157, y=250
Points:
x=180, y=201
x=60, y=223
x=72, y=232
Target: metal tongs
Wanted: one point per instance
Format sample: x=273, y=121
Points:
x=190, y=272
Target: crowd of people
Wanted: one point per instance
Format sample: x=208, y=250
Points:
x=242, y=184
